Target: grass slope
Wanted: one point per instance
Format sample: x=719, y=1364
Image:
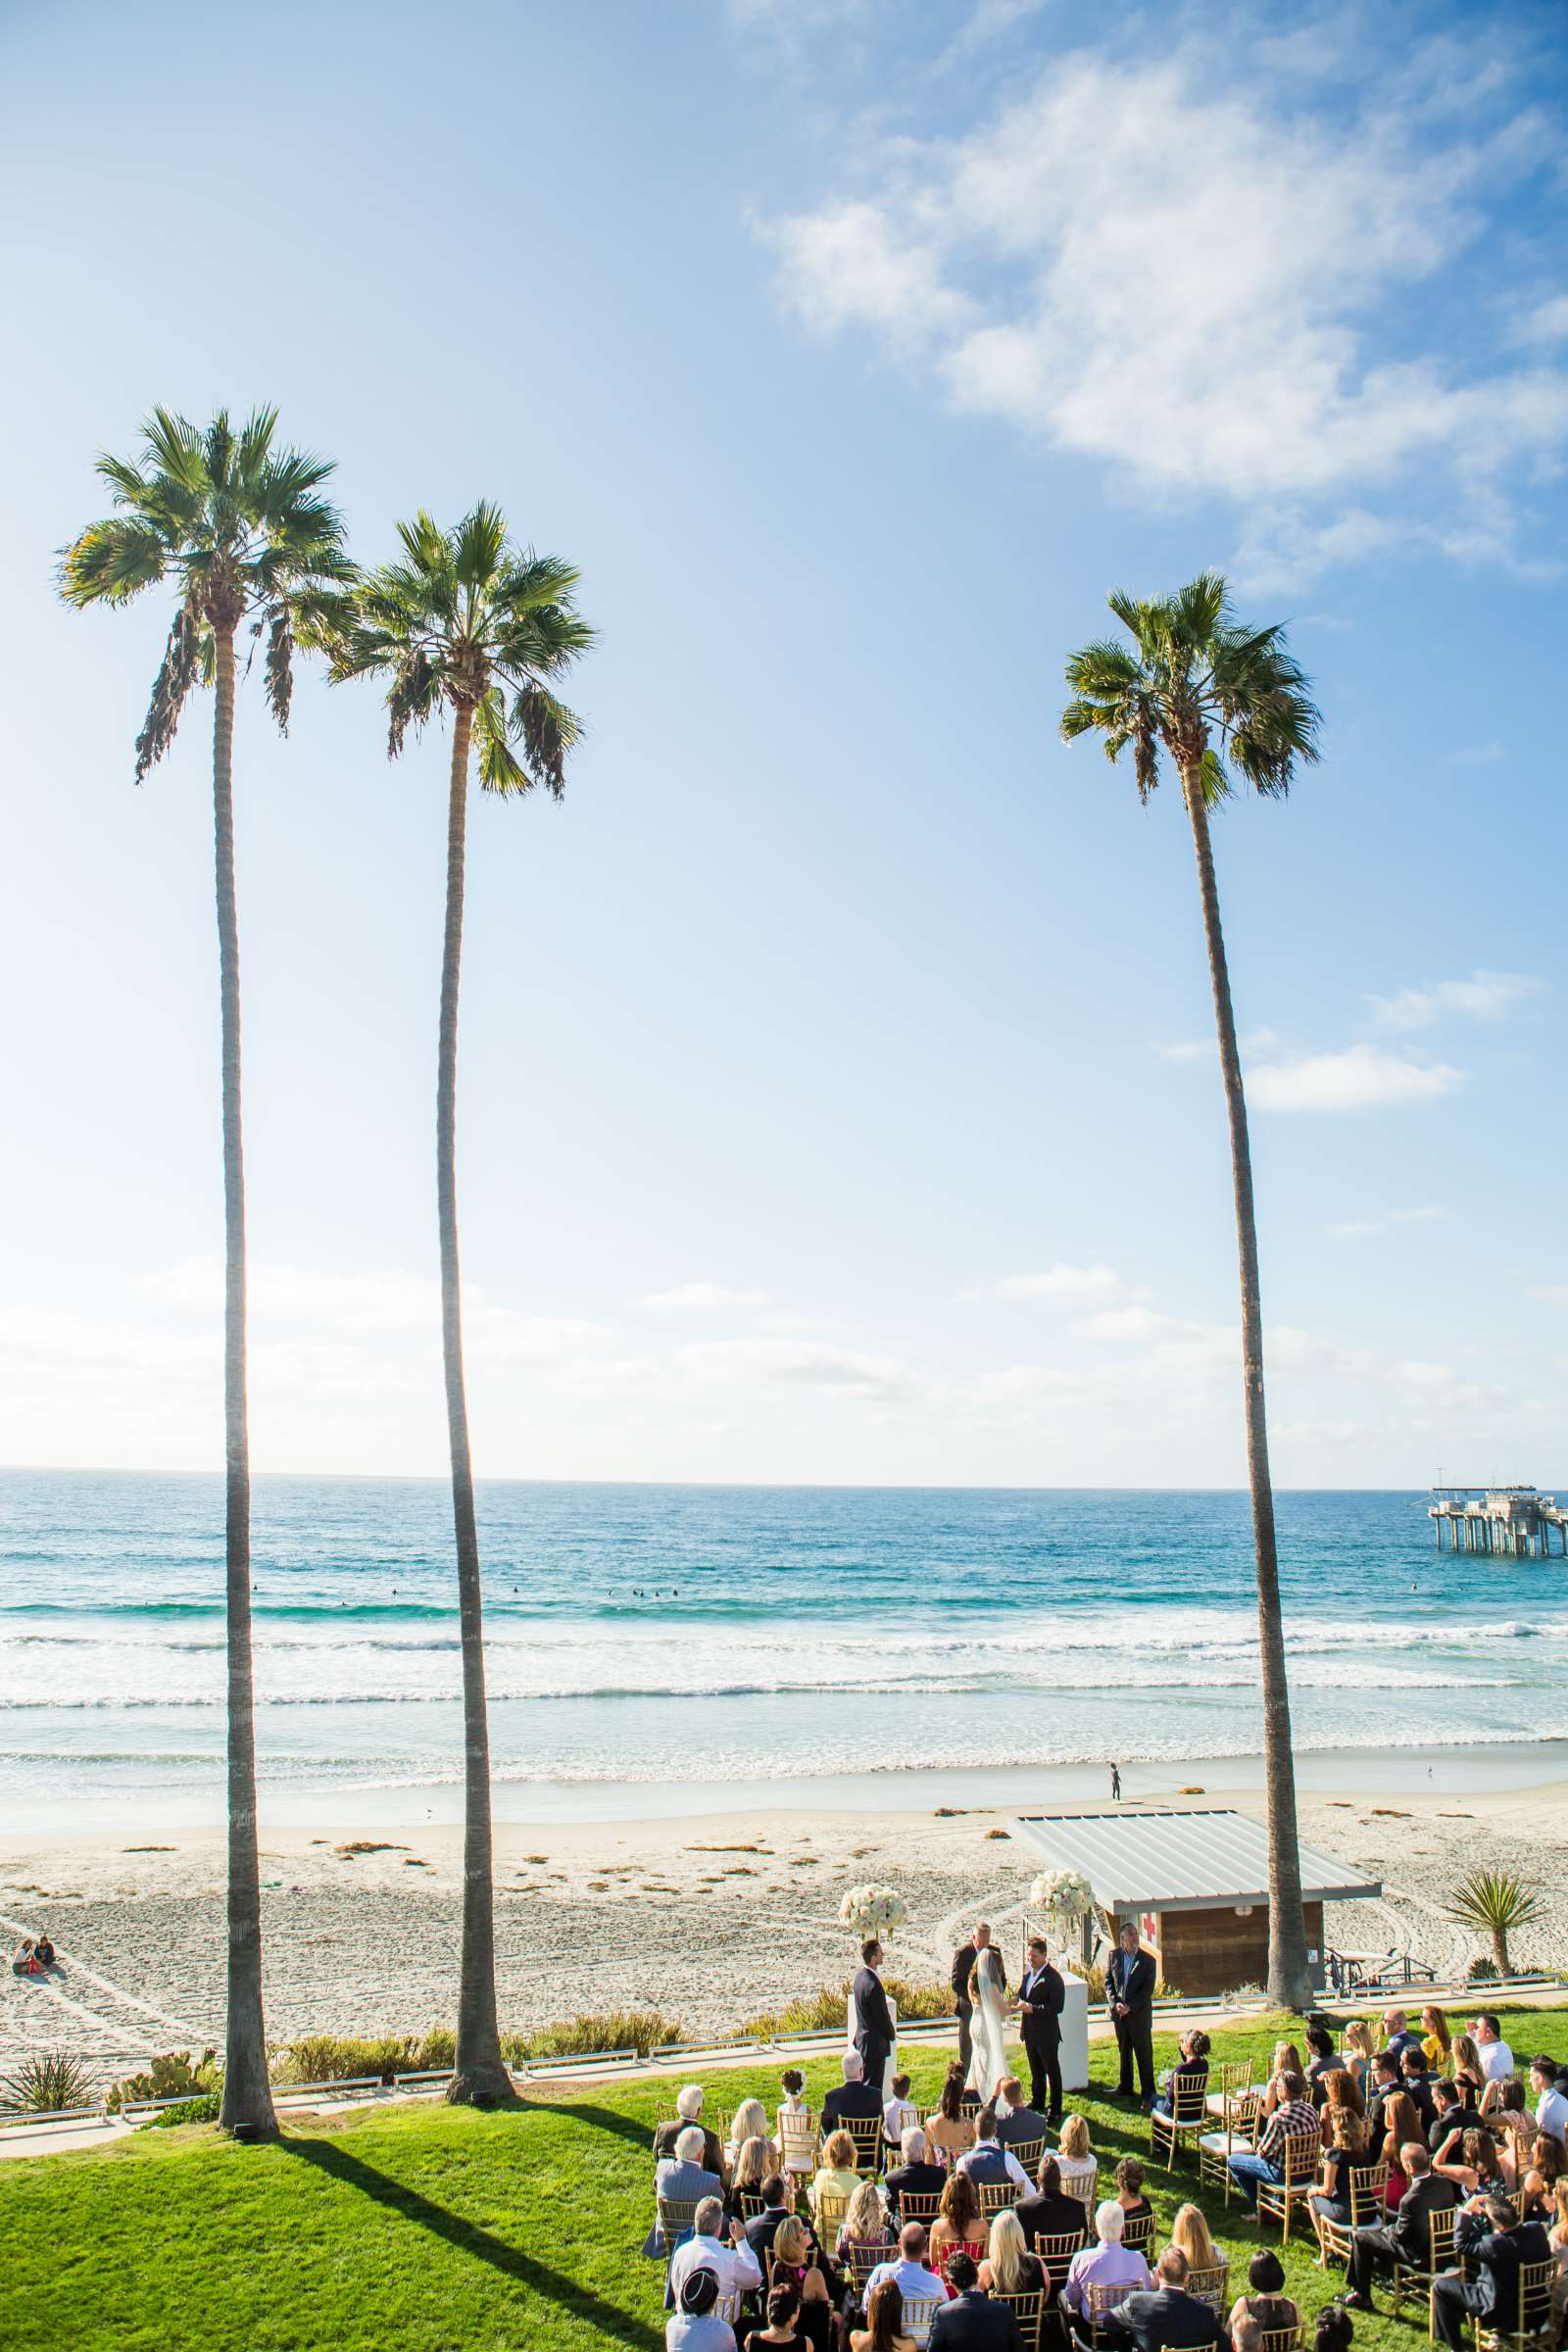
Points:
x=415, y=2230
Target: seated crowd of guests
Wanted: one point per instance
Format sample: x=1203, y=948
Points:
x=1456, y=2120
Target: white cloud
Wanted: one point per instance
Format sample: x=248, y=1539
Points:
x=1359, y=1078
x=799, y=1363
x=1254, y=1044
x=1483, y=996
x=1362, y=1228
x=1550, y=1294
x=1057, y=1282
x=380, y=1299
x=1476, y=755
x=1065, y=269
x=1545, y=322
x=700, y=1297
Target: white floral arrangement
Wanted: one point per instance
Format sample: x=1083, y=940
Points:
x=873, y=1911
x=1064, y=1893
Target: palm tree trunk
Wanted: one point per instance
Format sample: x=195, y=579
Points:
x=1500, y=1952
x=247, y=2095
x=480, y=2074
x=1288, y=1981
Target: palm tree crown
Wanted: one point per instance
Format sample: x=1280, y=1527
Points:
x=238, y=526
x=1191, y=677
x=464, y=618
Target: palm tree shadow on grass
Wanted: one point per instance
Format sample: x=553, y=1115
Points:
x=600, y=2118
x=581, y=2302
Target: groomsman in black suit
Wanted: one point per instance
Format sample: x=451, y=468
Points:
x=1040, y=2003
x=875, y=2038
x=1130, y=1998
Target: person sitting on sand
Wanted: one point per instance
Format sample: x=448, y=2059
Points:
x=695, y=2325
x=950, y=2131
x=899, y=2112
x=781, y=2334
x=43, y=1951
x=1009, y=2269
x=689, y=2110
x=884, y=2317
x=836, y=2175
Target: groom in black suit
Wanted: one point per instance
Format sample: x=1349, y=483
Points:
x=1040, y=1996
x=873, y=2035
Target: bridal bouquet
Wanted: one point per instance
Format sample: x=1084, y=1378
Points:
x=1064, y=1893
x=873, y=1910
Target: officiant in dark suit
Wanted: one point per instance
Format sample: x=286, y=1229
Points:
x=873, y=2028
x=1130, y=1999
x=1040, y=1996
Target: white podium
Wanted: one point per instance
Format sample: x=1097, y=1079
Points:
x=1074, y=2029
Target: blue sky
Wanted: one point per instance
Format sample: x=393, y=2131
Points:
x=836, y=1097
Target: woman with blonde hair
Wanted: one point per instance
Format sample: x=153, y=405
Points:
x=753, y=2163
x=1287, y=2061
x=1008, y=2267
x=1189, y=2235
x=1436, y=2039
x=958, y=2223
x=1359, y=2051
x=796, y=2259
x=1464, y=2062
x=949, y=2131
x=750, y=2122
x=836, y=2177
x=866, y=2223
x=1075, y=2154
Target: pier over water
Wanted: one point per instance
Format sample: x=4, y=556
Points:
x=1520, y=1520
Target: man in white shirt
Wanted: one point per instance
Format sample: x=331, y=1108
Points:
x=1496, y=2059
x=909, y=2271
x=734, y=2265
x=1551, y=2108
x=901, y=2114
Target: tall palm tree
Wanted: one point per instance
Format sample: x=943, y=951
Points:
x=1223, y=702
x=468, y=620
x=239, y=530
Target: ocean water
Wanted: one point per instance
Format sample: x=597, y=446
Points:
x=710, y=1634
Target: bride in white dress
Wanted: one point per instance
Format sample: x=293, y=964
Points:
x=987, y=2061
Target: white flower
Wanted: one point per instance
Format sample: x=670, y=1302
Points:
x=1066, y=1893
x=875, y=1910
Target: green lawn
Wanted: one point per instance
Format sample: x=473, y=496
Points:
x=420, y=2228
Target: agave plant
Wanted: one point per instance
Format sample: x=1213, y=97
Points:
x=1495, y=1902
x=41, y=2085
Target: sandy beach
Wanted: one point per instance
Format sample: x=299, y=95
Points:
x=710, y=1918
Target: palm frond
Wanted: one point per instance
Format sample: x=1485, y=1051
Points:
x=176, y=675
x=549, y=731
x=500, y=771
x=478, y=544
x=412, y=697
x=111, y=562
x=280, y=666
x=176, y=447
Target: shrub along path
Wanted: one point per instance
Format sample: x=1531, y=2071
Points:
x=424, y=2228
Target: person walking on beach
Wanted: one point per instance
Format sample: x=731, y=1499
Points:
x=1115, y=1784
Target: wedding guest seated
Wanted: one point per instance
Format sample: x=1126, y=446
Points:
x=1107, y=2262
x=916, y=2176
x=781, y=2334
x=1076, y=2156
x=1295, y=2117
x=1436, y=2038
x=855, y=2096
x=1489, y=2233
x=911, y=2273
x=1401, y=2128
x=1008, y=2265
x=864, y=2225
x=1476, y=2167
x=1397, y=2035
x=1558, y=2240
x=1535, y=2196
x=689, y=2110
x=1050, y=2212
x=1265, y=2300
x=1189, y=2235
x=950, y=2130
x=798, y=2259
x=1329, y=2201
x=1323, y=2060
x=1551, y=2108
x=732, y=2263
x=1406, y=2238
x=1360, y=2048
x=1550, y=2158
x=1130, y=2191
x=1190, y=2070
x=1385, y=2087
x=694, y=2325
x=1417, y=2084
x=1247, y=2337
x=751, y=2166
x=1342, y=2096
x=1287, y=2060
x=884, y=2322
x=957, y=2223
x=749, y=2121
x=1496, y=2059
x=971, y=2322
x=684, y=2180
x=792, y=2083
x=836, y=2175
x=1451, y=2115
x=899, y=2112
x=763, y=2228
x=988, y=2163
x=1502, y=2105
x=1016, y=2120
x=1163, y=2317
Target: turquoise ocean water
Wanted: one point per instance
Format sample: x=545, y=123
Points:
x=709, y=1634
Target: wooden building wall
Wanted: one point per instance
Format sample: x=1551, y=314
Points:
x=1214, y=1951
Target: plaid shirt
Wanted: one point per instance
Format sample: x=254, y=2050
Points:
x=1296, y=2119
